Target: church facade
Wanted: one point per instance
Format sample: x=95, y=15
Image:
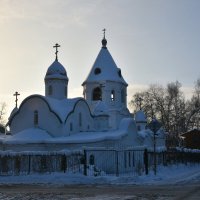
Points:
x=99, y=119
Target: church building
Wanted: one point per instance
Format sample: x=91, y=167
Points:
x=99, y=119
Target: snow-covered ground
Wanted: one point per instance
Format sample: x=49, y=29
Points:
x=177, y=174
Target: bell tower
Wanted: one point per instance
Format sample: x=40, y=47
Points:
x=105, y=83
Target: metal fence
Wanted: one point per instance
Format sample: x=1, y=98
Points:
x=92, y=162
x=113, y=162
x=23, y=163
x=132, y=162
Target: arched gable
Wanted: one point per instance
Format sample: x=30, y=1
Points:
x=31, y=97
x=72, y=111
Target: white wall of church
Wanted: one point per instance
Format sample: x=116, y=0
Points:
x=79, y=120
x=47, y=120
x=58, y=88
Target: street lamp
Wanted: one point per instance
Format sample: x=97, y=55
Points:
x=154, y=126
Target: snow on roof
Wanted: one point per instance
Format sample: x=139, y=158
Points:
x=13, y=112
x=62, y=107
x=104, y=68
x=140, y=116
x=32, y=135
x=56, y=70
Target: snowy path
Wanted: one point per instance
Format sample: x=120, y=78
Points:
x=177, y=182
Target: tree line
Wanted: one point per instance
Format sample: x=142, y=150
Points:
x=169, y=105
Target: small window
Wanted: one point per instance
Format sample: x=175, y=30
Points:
x=35, y=117
x=65, y=91
x=112, y=95
x=138, y=128
x=120, y=73
x=80, y=119
x=97, y=71
x=97, y=94
x=122, y=96
x=71, y=126
x=50, y=90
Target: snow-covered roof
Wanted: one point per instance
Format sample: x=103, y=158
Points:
x=56, y=70
x=61, y=108
x=35, y=135
x=140, y=116
x=32, y=135
x=105, y=69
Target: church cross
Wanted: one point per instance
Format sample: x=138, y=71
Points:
x=56, y=46
x=16, y=99
x=104, y=33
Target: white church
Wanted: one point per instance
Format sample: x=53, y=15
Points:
x=100, y=119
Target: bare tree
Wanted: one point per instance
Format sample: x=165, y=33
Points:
x=2, y=112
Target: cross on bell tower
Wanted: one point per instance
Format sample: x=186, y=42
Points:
x=56, y=46
x=104, y=33
x=104, y=41
x=16, y=99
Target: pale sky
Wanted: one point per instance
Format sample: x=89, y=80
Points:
x=152, y=41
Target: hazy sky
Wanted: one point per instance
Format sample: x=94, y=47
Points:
x=152, y=41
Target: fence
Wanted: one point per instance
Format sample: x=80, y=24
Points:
x=39, y=162
x=132, y=162
x=113, y=162
x=92, y=162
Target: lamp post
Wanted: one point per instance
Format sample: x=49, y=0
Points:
x=154, y=126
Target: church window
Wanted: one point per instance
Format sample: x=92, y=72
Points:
x=50, y=90
x=112, y=95
x=97, y=94
x=71, y=126
x=122, y=96
x=120, y=73
x=97, y=71
x=138, y=128
x=65, y=91
x=35, y=117
x=80, y=119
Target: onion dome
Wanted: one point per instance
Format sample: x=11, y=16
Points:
x=140, y=117
x=56, y=71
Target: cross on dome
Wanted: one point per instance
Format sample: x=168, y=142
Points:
x=56, y=46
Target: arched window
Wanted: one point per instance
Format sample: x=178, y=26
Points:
x=65, y=91
x=97, y=94
x=80, y=119
x=35, y=117
x=112, y=96
x=50, y=90
x=123, y=96
x=71, y=126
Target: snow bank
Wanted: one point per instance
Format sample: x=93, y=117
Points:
x=166, y=175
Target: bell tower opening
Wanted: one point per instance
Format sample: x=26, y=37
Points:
x=97, y=94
